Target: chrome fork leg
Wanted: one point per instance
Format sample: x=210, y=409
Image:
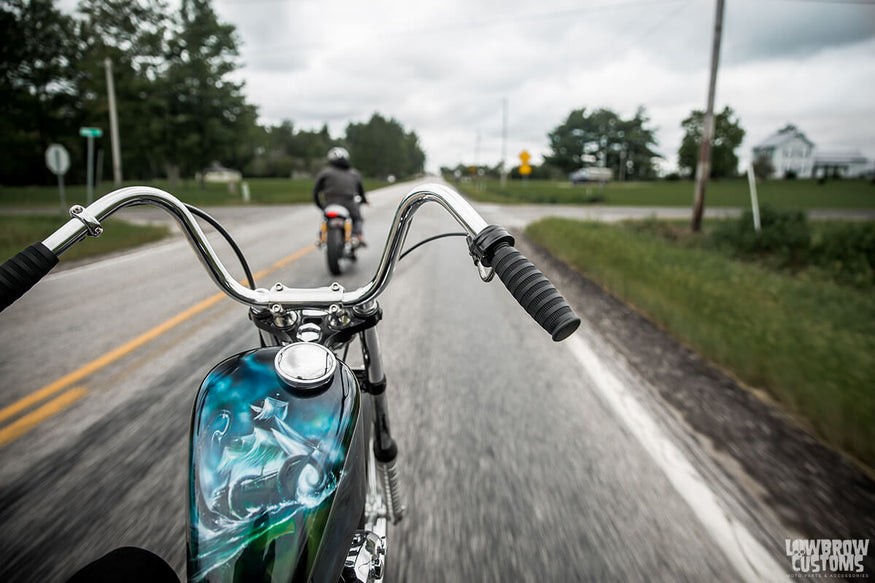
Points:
x=385, y=448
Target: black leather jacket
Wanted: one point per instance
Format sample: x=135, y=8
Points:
x=339, y=184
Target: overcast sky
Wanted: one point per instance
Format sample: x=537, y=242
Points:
x=443, y=68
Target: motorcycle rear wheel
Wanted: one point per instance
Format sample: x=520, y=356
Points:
x=334, y=250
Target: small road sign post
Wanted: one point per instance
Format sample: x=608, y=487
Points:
x=90, y=134
x=754, y=200
x=58, y=161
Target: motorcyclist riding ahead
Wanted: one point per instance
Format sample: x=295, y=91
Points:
x=341, y=184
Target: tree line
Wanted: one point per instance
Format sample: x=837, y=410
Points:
x=378, y=148
x=179, y=107
x=181, y=110
x=600, y=137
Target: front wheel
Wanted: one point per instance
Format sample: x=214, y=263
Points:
x=334, y=250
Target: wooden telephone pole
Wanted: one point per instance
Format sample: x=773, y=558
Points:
x=703, y=168
x=113, y=126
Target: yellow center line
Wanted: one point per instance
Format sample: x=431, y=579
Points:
x=128, y=347
x=285, y=261
x=21, y=426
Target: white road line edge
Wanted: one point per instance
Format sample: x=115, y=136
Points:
x=752, y=561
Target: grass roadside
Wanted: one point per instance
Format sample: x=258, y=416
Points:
x=261, y=191
x=19, y=231
x=797, y=194
x=809, y=343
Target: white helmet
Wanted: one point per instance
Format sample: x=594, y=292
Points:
x=338, y=155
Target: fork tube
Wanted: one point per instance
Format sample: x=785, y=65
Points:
x=384, y=446
x=385, y=449
x=372, y=356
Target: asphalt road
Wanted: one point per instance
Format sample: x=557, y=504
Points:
x=516, y=465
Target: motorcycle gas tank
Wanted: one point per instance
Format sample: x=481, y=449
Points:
x=277, y=477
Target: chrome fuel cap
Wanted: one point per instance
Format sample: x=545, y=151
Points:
x=305, y=365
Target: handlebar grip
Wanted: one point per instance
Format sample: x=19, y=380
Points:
x=19, y=273
x=534, y=292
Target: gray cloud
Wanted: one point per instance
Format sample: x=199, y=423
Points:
x=781, y=29
x=443, y=68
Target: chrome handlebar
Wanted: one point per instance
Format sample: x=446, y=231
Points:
x=87, y=221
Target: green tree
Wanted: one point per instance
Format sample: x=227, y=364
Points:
x=602, y=137
x=37, y=87
x=636, y=153
x=763, y=167
x=381, y=147
x=207, y=112
x=281, y=150
x=728, y=135
x=309, y=148
x=178, y=109
x=133, y=35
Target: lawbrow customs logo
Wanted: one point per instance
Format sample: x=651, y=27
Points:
x=826, y=558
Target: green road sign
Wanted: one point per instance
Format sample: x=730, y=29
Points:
x=90, y=132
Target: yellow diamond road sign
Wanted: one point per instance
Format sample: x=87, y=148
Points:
x=525, y=157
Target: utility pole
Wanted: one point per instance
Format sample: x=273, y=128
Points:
x=703, y=168
x=504, y=143
x=113, y=126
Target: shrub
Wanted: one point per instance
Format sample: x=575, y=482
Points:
x=846, y=251
x=655, y=226
x=784, y=238
x=763, y=168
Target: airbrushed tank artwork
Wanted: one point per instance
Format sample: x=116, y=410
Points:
x=265, y=465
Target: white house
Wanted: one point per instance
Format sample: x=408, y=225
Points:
x=218, y=173
x=847, y=163
x=789, y=151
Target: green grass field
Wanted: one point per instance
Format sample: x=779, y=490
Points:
x=806, y=340
x=799, y=194
x=19, y=231
x=261, y=191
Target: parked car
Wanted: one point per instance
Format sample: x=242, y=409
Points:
x=601, y=175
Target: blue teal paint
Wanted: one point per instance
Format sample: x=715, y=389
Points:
x=265, y=465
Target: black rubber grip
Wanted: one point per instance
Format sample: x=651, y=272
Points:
x=535, y=293
x=22, y=271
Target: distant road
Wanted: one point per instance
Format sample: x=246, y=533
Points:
x=521, y=215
